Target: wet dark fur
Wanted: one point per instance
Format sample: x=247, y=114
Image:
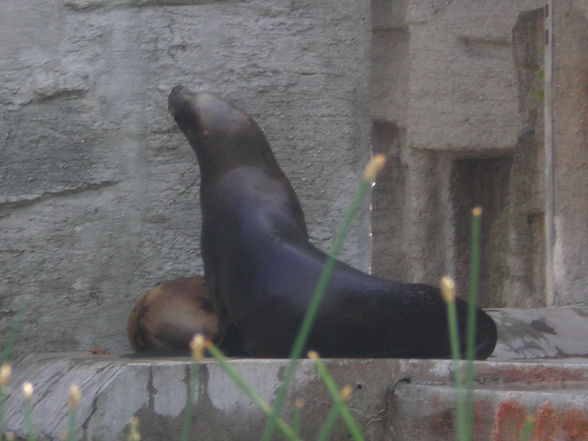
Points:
x=261, y=269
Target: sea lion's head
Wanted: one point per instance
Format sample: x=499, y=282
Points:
x=222, y=135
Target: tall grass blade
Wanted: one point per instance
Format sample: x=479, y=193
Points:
x=29, y=427
x=471, y=316
x=371, y=170
x=329, y=424
x=2, y=401
x=448, y=293
x=5, y=372
x=27, y=393
x=527, y=428
x=340, y=405
x=71, y=426
x=251, y=393
x=133, y=434
x=14, y=329
x=296, y=418
x=193, y=369
x=75, y=397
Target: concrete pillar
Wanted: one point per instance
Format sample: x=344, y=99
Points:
x=570, y=152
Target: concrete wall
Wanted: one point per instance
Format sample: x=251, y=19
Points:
x=458, y=98
x=453, y=86
x=98, y=188
x=570, y=152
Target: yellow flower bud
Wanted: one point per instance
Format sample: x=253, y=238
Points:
x=197, y=347
x=5, y=371
x=374, y=167
x=27, y=390
x=346, y=392
x=134, y=434
x=74, y=397
x=448, y=289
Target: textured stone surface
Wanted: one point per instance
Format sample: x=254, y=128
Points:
x=517, y=238
x=462, y=79
x=99, y=190
x=116, y=388
x=391, y=400
x=570, y=160
x=474, y=107
x=541, y=333
x=450, y=115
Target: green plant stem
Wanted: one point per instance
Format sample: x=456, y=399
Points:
x=2, y=401
x=9, y=343
x=28, y=420
x=133, y=431
x=458, y=380
x=340, y=405
x=471, y=317
x=71, y=425
x=193, y=369
x=296, y=420
x=314, y=304
x=251, y=393
x=330, y=421
x=527, y=428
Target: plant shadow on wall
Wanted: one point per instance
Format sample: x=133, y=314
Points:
x=511, y=420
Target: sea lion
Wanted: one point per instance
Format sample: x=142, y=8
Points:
x=166, y=317
x=261, y=269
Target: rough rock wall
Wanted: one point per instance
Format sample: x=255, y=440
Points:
x=570, y=152
x=517, y=261
x=446, y=109
x=98, y=188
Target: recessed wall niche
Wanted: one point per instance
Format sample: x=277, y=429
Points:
x=475, y=182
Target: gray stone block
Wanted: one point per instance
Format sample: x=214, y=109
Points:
x=462, y=78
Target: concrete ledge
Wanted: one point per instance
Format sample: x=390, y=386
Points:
x=541, y=332
x=392, y=399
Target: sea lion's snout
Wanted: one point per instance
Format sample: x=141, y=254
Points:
x=178, y=99
x=182, y=105
x=177, y=89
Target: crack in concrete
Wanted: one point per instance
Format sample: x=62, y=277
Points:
x=97, y=396
x=87, y=6
x=30, y=200
x=56, y=94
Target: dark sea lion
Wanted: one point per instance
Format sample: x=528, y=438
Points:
x=166, y=317
x=261, y=269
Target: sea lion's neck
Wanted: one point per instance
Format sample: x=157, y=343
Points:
x=257, y=196
x=219, y=156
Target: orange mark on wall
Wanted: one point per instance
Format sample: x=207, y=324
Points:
x=575, y=425
x=546, y=423
x=508, y=422
x=550, y=424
